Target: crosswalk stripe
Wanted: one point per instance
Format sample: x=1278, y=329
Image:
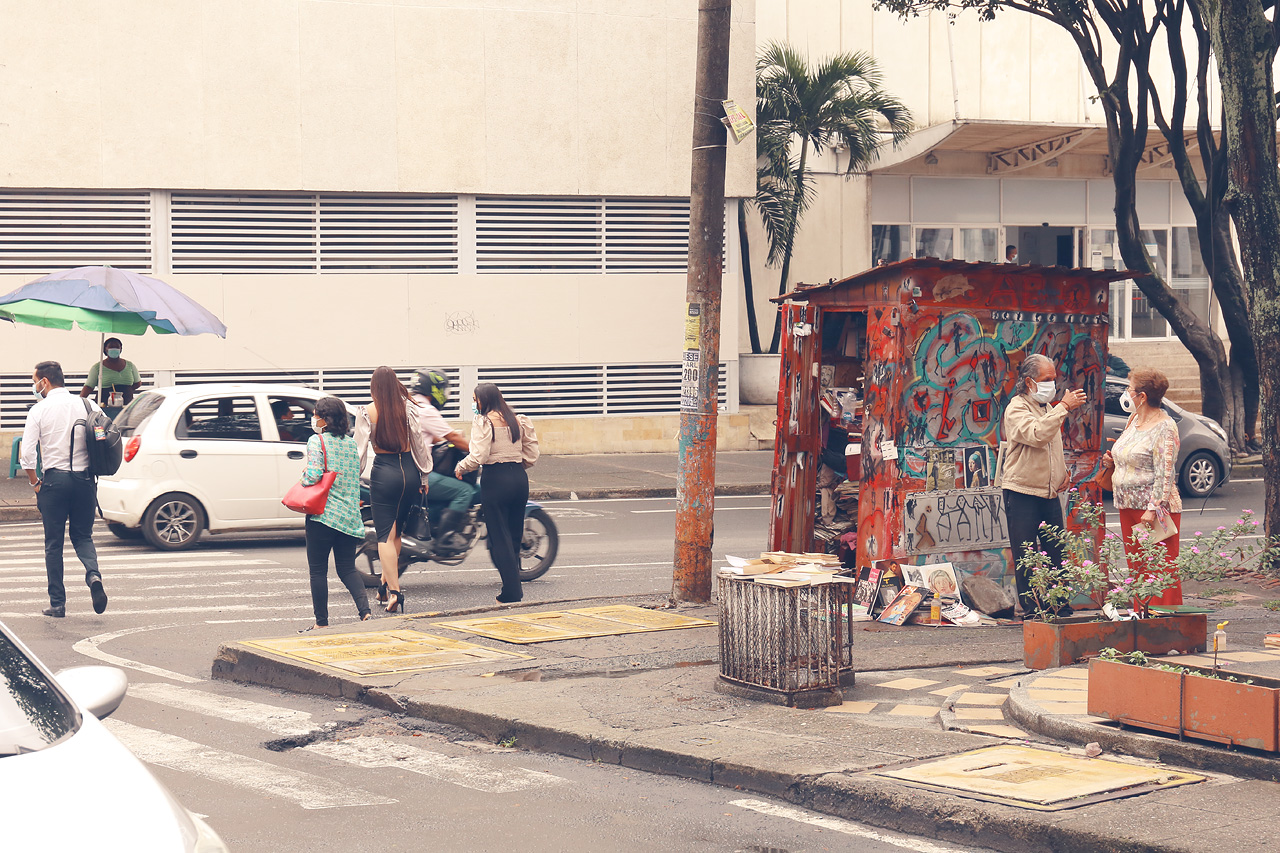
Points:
x=89, y=648
x=107, y=568
x=835, y=824
x=131, y=556
x=307, y=790
x=117, y=575
x=375, y=752
x=283, y=722
x=302, y=608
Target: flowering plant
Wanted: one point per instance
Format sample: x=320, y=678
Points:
x=1094, y=563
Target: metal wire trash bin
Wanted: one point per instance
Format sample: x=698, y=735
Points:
x=788, y=645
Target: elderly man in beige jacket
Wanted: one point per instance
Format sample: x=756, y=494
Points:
x=1034, y=469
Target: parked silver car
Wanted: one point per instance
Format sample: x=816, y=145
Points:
x=65, y=781
x=1204, y=459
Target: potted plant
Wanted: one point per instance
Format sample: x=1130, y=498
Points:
x=1095, y=569
x=1200, y=702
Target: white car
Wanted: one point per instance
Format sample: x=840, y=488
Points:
x=216, y=457
x=65, y=781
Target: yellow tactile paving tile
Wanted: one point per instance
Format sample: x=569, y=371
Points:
x=1082, y=674
x=1189, y=660
x=984, y=671
x=1058, y=684
x=907, y=683
x=1057, y=695
x=982, y=699
x=998, y=731
x=913, y=711
x=1008, y=682
x=1245, y=657
x=979, y=714
x=946, y=691
x=1068, y=708
x=852, y=708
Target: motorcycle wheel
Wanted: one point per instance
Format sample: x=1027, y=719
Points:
x=539, y=547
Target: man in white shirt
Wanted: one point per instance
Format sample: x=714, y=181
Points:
x=66, y=491
x=451, y=497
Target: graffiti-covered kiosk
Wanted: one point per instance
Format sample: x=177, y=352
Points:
x=932, y=348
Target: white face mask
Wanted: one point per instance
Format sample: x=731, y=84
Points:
x=317, y=425
x=1044, y=391
x=35, y=389
x=1126, y=402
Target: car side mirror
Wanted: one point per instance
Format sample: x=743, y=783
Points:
x=97, y=689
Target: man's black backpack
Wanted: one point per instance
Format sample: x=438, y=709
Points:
x=106, y=448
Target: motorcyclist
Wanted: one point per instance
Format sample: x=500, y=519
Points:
x=447, y=496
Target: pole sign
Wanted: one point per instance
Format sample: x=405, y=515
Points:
x=691, y=363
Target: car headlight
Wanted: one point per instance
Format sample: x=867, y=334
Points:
x=207, y=841
x=1213, y=425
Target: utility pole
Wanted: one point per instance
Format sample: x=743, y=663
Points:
x=699, y=393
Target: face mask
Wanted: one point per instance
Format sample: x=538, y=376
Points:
x=475, y=409
x=1126, y=402
x=317, y=425
x=113, y=353
x=1044, y=391
x=35, y=389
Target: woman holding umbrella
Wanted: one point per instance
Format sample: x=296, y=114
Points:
x=113, y=376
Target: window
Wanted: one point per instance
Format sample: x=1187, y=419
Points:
x=1144, y=320
x=1112, y=404
x=890, y=243
x=293, y=418
x=136, y=413
x=1190, y=280
x=935, y=243
x=979, y=244
x=220, y=418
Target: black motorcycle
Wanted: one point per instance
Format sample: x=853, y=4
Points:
x=418, y=543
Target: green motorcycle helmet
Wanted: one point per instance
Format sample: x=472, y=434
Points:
x=433, y=384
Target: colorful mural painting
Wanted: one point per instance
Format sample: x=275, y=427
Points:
x=944, y=341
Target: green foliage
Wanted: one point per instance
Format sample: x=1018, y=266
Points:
x=1139, y=659
x=508, y=742
x=1095, y=565
x=1272, y=605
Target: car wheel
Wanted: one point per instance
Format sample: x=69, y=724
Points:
x=128, y=534
x=173, y=522
x=1200, y=473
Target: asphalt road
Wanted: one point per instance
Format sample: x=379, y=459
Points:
x=265, y=765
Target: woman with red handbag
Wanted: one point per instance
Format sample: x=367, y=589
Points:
x=337, y=528
x=401, y=465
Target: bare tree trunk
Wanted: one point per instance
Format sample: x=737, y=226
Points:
x=744, y=247
x=791, y=242
x=1244, y=42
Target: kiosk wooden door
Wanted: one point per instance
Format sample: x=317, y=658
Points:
x=799, y=436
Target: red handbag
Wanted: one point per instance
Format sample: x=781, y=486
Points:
x=312, y=499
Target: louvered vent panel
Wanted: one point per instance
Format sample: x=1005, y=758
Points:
x=353, y=386
x=303, y=377
x=243, y=233
x=646, y=236
x=45, y=231
x=406, y=234
x=550, y=391
x=647, y=388
x=16, y=398
x=538, y=235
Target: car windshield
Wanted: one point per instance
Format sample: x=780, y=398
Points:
x=34, y=713
x=136, y=413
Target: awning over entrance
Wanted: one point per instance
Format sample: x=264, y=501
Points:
x=1011, y=146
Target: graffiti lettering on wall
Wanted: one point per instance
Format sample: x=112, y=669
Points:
x=938, y=522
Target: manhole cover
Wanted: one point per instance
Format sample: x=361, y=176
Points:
x=1035, y=778
x=575, y=624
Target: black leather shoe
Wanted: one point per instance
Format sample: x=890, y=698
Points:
x=55, y=612
x=99, y=596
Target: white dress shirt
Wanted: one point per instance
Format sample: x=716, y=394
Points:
x=49, y=426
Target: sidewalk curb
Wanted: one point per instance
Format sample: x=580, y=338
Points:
x=852, y=796
x=1027, y=713
x=19, y=513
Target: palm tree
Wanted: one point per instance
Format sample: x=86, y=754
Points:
x=838, y=102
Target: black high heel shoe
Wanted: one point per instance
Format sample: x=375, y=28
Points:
x=396, y=605
x=382, y=592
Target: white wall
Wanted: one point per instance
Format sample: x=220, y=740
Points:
x=590, y=97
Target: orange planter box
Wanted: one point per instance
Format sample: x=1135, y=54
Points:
x=1208, y=708
x=1051, y=644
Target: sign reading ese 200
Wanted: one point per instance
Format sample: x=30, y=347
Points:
x=689, y=375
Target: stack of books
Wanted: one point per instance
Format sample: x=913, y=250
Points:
x=781, y=568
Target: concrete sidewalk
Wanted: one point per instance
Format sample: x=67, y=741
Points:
x=612, y=475
x=649, y=701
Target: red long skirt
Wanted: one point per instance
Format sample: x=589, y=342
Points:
x=1130, y=518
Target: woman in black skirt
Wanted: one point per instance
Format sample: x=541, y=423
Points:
x=401, y=463
x=505, y=444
